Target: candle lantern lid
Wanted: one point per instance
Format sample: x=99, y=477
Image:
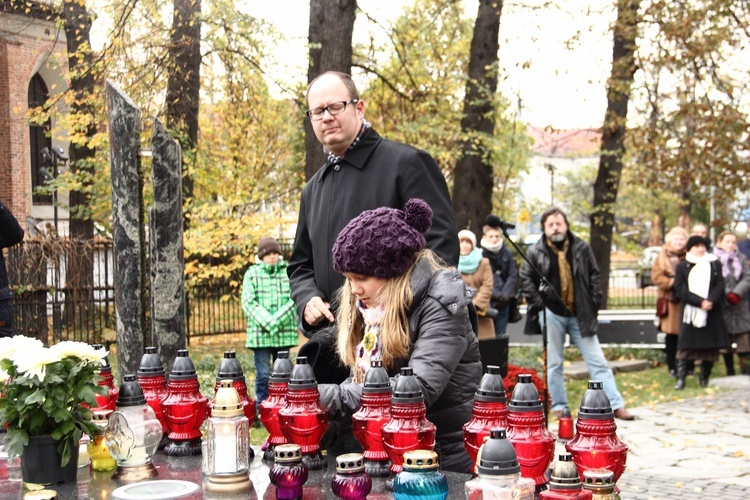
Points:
x=105, y=366
x=302, y=376
x=150, y=363
x=100, y=417
x=491, y=388
x=282, y=367
x=230, y=368
x=565, y=474
x=376, y=379
x=350, y=463
x=227, y=402
x=407, y=388
x=497, y=457
x=131, y=393
x=420, y=460
x=525, y=397
x=599, y=480
x=595, y=404
x=183, y=367
x=287, y=454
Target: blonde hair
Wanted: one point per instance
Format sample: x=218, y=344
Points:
x=674, y=232
x=397, y=298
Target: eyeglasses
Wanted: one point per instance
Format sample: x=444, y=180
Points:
x=335, y=108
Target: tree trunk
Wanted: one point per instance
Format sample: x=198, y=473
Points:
x=330, y=42
x=473, y=180
x=613, y=134
x=183, y=86
x=80, y=265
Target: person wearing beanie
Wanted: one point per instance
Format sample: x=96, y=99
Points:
x=270, y=311
x=504, y=272
x=402, y=306
x=477, y=274
x=362, y=171
x=699, y=283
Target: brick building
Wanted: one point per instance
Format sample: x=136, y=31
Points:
x=33, y=66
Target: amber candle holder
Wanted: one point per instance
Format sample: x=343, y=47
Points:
x=303, y=419
x=276, y=400
x=185, y=408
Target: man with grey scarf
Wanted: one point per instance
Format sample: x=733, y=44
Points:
x=571, y=305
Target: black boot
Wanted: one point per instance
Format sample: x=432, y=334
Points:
x=681, y=373
x=729, y=363
x=706, y=368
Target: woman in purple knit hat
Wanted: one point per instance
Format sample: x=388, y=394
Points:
x=402, y=306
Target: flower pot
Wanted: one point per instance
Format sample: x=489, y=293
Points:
x=40, y=462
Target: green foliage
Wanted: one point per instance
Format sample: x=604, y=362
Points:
x=48, y=392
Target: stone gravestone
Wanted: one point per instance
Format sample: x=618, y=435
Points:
x=167, y=261
x=128, y=232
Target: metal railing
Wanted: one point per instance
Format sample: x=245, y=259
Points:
x=53, y=303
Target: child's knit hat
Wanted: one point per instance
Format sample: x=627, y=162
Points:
x=383, y=242
x=267, y=245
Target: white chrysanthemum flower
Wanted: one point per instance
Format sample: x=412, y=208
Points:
x=67, y=349
x=4, y=376
x=10, y=347
x=36, y=365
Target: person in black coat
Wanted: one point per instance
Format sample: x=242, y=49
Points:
x=699, y=284
x=504, y=272
x=401, y=306
x=10, y=234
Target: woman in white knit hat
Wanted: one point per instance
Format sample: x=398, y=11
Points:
x=477, y=273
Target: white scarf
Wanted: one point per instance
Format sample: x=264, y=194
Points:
x=698, y=280
x=494, y=248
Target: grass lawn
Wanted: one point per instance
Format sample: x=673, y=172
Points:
x=640, y=388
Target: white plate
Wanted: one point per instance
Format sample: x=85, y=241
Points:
x=155, y=490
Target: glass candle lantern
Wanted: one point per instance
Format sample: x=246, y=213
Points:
x=289, y=473
x=498, y=472
x=101, y=458
x=228, y=438
x=420, y=478
x=601, y=484
x=408, y=429
x=303, y=419
x=230, y=368
x=564, y=481
x=132, y=433
x=565, y=429
x=534, y=443
x=185, y=408
x=490, y=410
x=351, y=482
x=108, y=401
x=373, y=414
x=276, y=400
x=154, y=384
x=596, y=445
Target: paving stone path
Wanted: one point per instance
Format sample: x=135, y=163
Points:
x=690, y=449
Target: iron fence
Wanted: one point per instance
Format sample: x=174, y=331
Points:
x=65, y=291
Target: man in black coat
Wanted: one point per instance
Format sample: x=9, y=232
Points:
x=571, y=306
x=362, y=172
x=504, y=273
x=10, y=234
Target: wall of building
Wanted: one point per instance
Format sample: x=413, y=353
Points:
x=27, y=46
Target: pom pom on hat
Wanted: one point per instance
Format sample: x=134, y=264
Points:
x=383, y=242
